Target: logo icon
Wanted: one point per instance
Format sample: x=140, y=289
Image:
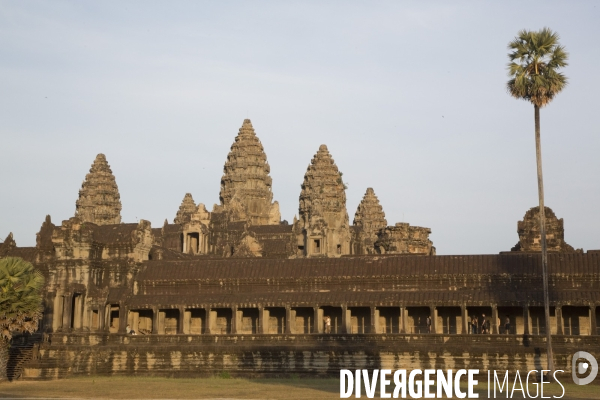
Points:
x=582, y=367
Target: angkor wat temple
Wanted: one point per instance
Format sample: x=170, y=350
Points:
x=236, y=289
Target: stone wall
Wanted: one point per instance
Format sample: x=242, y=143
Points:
x=278, y=355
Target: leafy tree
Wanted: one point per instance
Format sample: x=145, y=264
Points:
x=535, y=58
x=20, y=303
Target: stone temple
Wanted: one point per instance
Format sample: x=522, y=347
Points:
x=237, y=289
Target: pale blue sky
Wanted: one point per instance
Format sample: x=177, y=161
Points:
x=408, y=96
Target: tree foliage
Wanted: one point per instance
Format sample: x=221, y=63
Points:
x=535, y=58
x=20, y=297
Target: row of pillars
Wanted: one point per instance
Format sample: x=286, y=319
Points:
x=72, y=316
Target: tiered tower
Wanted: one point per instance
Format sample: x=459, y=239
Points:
x=370, y=220
x=323, y=227
x=246, y=184
x=99, y=201
x=186, y=209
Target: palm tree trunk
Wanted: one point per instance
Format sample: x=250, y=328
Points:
x=538, y=153
x=4, y=352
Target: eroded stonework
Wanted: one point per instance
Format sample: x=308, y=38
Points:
x=99, y=201
x=530, y=236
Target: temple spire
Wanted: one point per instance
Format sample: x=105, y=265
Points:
x=186, y=209
x=246, y=184
x=323, y=218
x=99, y=200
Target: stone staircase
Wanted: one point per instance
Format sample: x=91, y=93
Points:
x=21, y=351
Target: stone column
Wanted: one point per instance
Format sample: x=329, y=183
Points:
x=318, y=320
x=559, y=320
x=374, y=320
x=235, y=322
x=402, y=327
x=346, y=319
x=593, y=323
x=102, y=317
x=207, y=324
x=495, y=327
x=433, y=315
x=288, y=319
x=155, y=320
x=67, y=311
x=48, y=312
x=180, y=320
x=464, y=319
x=123, y=311
x=262, y=323
x=526, y=319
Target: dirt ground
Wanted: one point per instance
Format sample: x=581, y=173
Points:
x=213, y=388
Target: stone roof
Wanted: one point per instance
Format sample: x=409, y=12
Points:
x=120, y=233
x=99, y=200
x=506, y=279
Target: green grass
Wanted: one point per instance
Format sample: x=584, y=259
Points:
x=220, y=387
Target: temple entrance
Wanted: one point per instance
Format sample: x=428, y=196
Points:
x=274, y=320
x=538, y=320
x=220, y=321
x=140, y=321
x=576, y=320
x=303, y=320
x=335, y=316
x=448, y=320
x=167, y=321
x=247, y=320
x=113, y=318
x=360, y=320
x=193, y=321
x=515, y=318
x=416, y=322
x=480, y=313
x=389, y=319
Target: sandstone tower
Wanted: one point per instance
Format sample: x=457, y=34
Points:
x=323, y=227
x=369, y=219
x=530, y=236
x=246, y=184
x=186, y=209
x=99, y=201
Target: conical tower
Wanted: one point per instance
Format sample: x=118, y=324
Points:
x=186, y=209
x=323, y=221
x=246, y=184
x=99, y=201
x=370, y=219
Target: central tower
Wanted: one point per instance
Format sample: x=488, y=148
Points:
x=246, y=185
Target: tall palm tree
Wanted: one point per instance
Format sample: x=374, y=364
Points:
x=20, y=303
x=535, y=58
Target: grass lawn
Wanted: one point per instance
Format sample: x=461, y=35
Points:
x=213, y=388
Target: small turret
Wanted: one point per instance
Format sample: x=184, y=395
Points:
x=186, y=209
x=323, y=219
x=99, y=200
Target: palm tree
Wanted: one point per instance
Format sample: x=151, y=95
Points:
x=20, y=303
x=535, y=58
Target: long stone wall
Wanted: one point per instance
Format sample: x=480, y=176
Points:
x=63, y=355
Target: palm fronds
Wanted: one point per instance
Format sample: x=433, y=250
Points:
x=535, y=58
